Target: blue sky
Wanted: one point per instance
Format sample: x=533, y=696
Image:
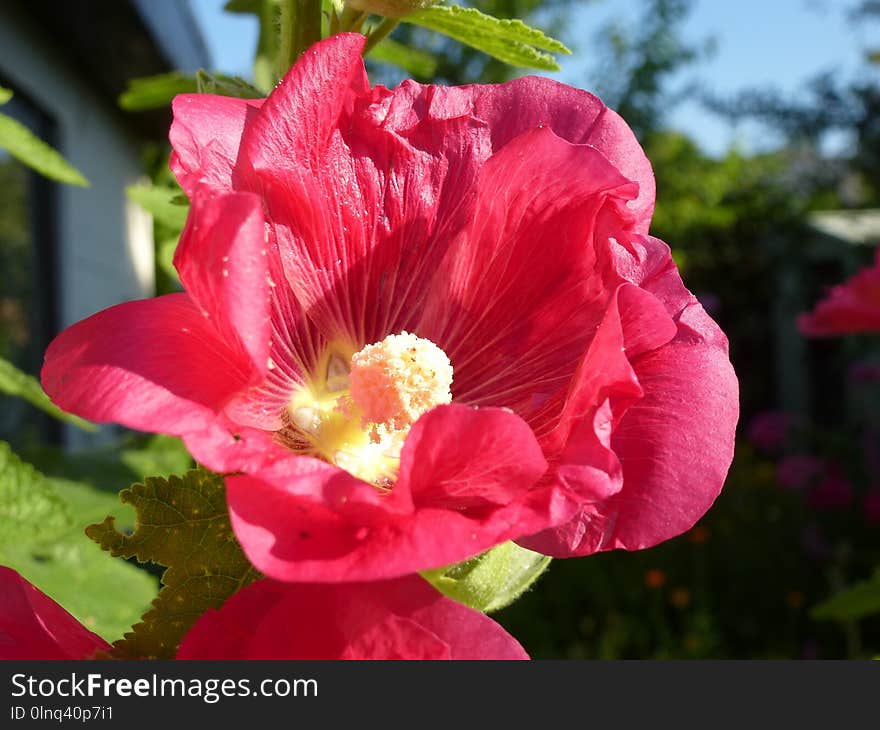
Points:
x=767, y=43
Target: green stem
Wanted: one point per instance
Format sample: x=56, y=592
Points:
x=351, y=19
x=380, y=32
x=300, y=28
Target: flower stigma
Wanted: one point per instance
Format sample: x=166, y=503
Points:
x=358, y=410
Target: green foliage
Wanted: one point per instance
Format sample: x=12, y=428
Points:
x=156, y=92
x=413, y=61
x=41, y=536
x=183, y=524
x=493, y=580
x=159, y=201
x=14, y=382
x=859, y=601
x=29, y=149
x=508, y=40
x=29, y=507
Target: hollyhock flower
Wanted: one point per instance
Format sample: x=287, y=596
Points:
x=768, y=430
x=403, y=618
x=849, y=308
x=33, y=626
x=418, y=323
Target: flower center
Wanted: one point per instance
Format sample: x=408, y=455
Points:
x=357, y=412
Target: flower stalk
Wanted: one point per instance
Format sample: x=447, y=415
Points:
x=300, y=28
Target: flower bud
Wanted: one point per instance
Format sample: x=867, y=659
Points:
x=490, y=581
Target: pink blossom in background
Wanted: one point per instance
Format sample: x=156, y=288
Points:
x=832, y=492
x=768, y=431
x=849, y=308
x=798, y=471
x=871, y=507
x=350, y=250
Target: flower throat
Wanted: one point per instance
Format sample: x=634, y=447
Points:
x=358, y=410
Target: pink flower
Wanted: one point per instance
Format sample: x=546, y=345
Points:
x=33, y=626
x=851, y=307
x=799, y=470
x=350, y=251
x=768, y=430
x=832, y=492
x=403, y=618
x=871, y=507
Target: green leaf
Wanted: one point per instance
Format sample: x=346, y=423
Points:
x=41, y=536
x=5, y=95
x=155, y=92
x=183, y=524
x=511, y=41
x=29, y=149
x=29, y=507
x=244, y=6
x=490, y=581
x=217, y=83
x=165, y=258
x=14, y=382
x=413, y=61
x=159, y=202
x=859, y=601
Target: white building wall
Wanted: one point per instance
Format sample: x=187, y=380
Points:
x=105, y=243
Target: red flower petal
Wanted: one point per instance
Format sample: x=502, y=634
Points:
x=399, y=619
x=849, y=308
x=205, y=138
x=223, y=264
x=155, y=365
x=33, y=626
x=520, y=292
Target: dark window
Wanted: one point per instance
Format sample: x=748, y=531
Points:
x=28, y=284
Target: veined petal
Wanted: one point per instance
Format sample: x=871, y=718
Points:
x=223, y=259
x=205, y=138
x=399, y=619
x=519, y=294
x=156, y=365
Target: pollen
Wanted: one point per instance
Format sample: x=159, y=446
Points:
x=395, y=381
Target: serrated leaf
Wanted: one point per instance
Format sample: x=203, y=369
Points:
x=511, y=41
x=859, y=601
x=155, y=92
x=30, y=150
x=411, y=60
x=5, y=95
x=14, y=382
x=30, y=509
x=183, y=524
x=159, y=202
